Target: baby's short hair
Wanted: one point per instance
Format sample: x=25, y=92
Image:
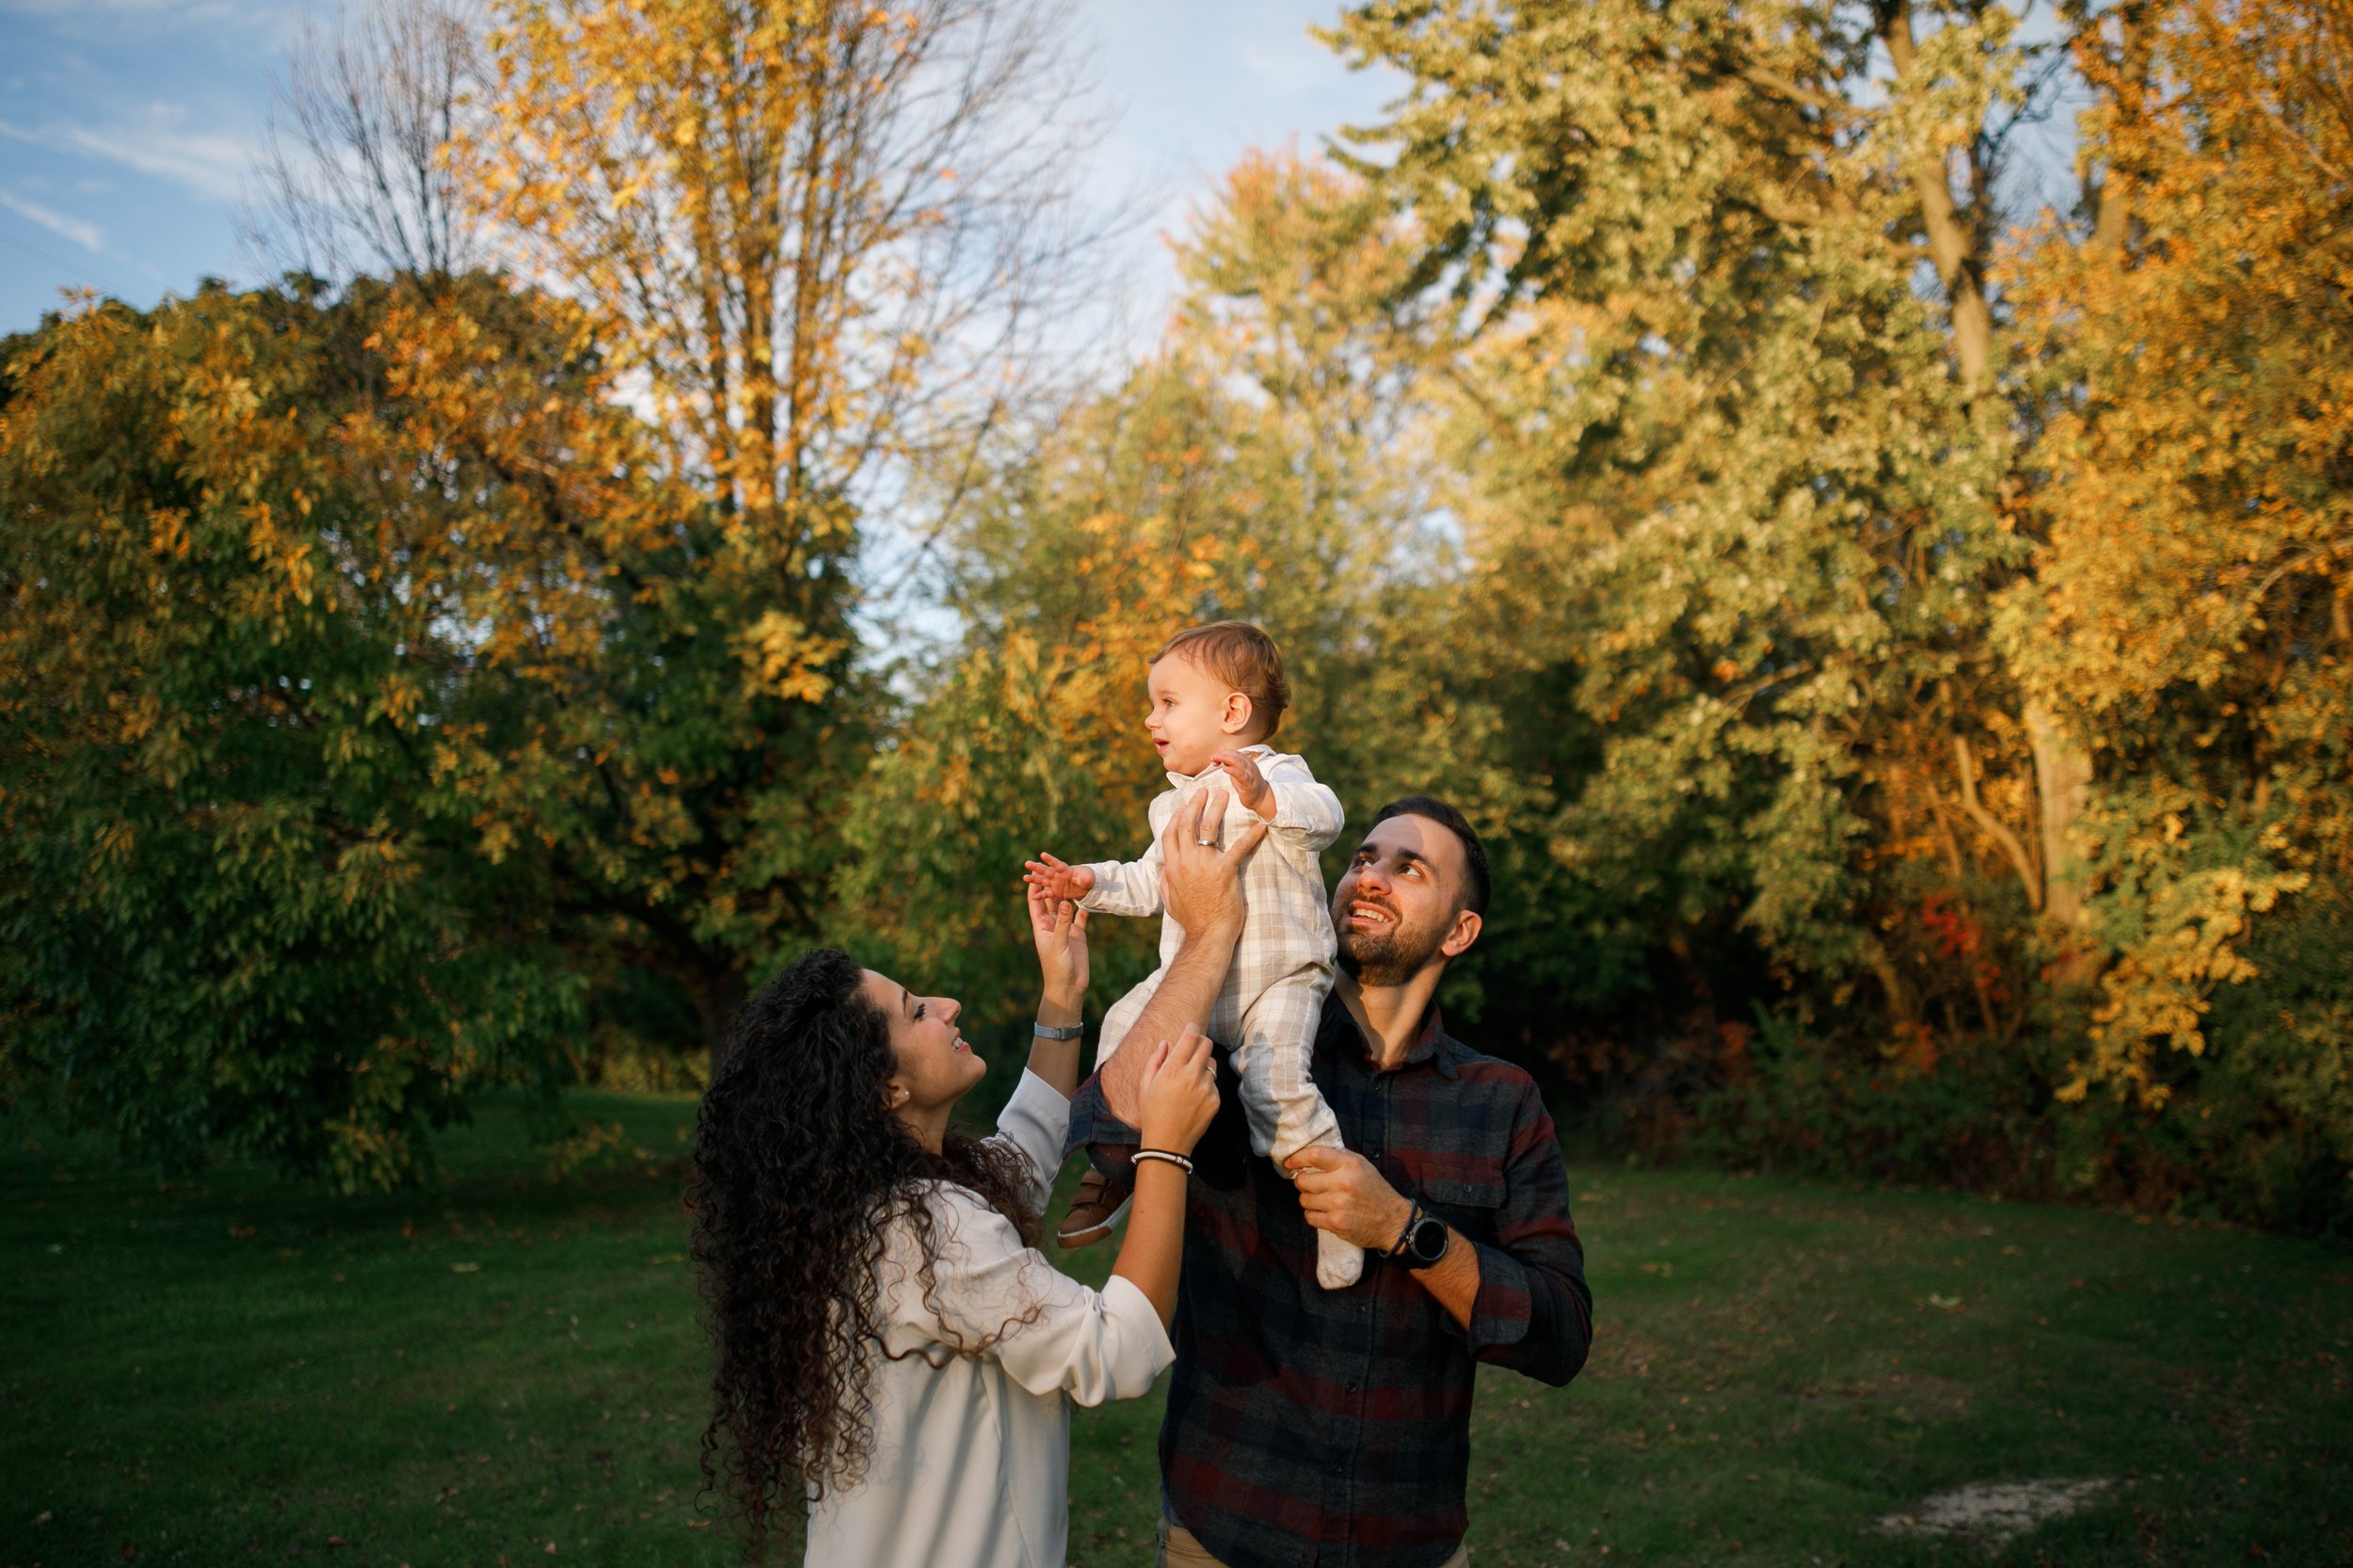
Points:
x=1244, y=658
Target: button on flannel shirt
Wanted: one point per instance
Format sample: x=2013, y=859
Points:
x=1330, y=1429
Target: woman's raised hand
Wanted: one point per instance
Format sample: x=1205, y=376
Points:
x=1178, y=1093
x=1059, y=927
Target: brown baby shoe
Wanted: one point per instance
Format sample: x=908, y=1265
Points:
x=1097, y=1209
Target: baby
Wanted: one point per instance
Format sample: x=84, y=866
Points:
x=1217, y=693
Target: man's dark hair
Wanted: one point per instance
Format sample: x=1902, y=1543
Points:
x=1474, y=853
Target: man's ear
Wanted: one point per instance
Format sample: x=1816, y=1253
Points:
x=1465, y=931
x=1238, y=709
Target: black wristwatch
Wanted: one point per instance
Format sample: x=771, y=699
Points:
x=1425, y=1241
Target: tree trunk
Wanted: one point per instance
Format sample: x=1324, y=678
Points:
x=2062, y=779
x=2112, y=200
x=1955, y=241
x=717, y=994
x=2062, y=765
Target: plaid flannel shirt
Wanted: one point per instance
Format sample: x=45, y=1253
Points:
x=1330, y=1429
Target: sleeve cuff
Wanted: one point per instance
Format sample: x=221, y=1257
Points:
x=1125, y=1300
x=1504, y=1307
x=1302, y=808
x=1034, y=1120
x=1103, y=869
x=1034, y=1092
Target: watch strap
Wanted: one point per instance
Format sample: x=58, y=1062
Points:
x=1057, y=1032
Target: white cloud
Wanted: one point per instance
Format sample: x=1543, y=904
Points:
x=177, y=10
x=87, y=235
x=207, y=163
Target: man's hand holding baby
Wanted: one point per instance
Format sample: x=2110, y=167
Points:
x=1053, y=879
x=1250, y=785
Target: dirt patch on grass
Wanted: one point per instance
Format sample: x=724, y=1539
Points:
x=1997, y=1513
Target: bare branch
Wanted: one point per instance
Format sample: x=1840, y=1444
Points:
x=353, y=175
x=1994, y=827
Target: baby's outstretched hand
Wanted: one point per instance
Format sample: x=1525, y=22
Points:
x=1057, y=880
x=1250, y=785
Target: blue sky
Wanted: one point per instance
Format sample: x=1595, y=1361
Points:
x=127, y=126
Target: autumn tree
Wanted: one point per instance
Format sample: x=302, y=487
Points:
x=817, y=241
x=2194, y=567
x=1258, y=466
x=1751, y=445
x=1729, y=475
x=280, y=570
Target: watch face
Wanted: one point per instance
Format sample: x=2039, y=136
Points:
x=1428, y=1243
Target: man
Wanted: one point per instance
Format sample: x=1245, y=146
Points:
x=1332, y=1427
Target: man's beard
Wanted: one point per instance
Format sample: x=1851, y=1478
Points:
x=1390, y=956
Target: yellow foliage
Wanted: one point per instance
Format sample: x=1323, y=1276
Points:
x=783, y=660
x=2191, y=589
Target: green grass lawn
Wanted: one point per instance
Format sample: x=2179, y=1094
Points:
x=506, y=1368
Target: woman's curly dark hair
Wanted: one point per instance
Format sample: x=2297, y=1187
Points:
x=800, y=1170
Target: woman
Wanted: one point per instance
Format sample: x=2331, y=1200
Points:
x=894, y=1355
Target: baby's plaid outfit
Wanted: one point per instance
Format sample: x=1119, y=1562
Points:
x=1267, y=1011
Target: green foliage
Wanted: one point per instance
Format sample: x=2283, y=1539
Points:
x=233, y=910
x=1795, y=1099
x=1750, y=598
x=1899, y=658
x=367, y=690
x=2253, y=1127
x=1248, y=476
x=1731, y=519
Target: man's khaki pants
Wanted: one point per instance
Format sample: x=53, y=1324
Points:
x=1179, y=1548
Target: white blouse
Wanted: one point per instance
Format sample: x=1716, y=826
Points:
x=971, y=1454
